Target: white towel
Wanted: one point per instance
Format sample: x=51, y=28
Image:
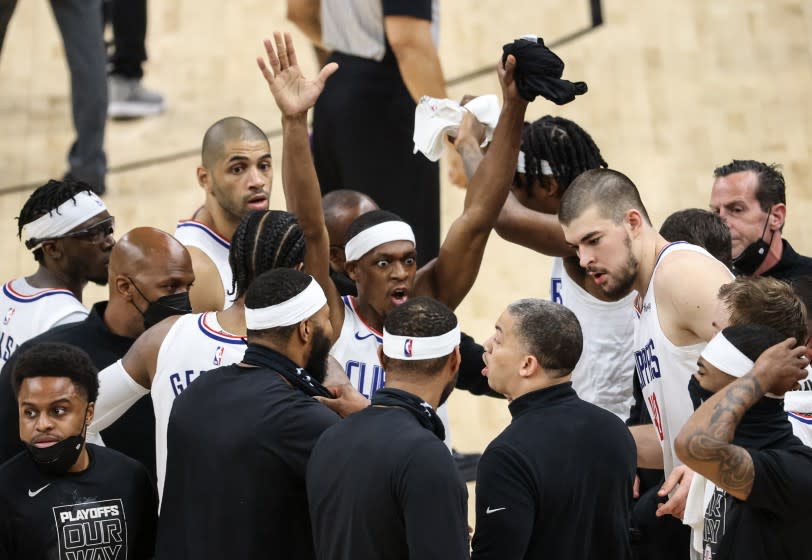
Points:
x=434, y=118
x=695, y=506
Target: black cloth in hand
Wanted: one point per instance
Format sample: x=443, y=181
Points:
x=538, y=72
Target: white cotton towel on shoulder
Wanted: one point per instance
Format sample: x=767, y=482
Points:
x=434, y=118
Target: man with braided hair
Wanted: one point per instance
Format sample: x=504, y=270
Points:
x=176, y=351
x=236, y=174
x=70, y=232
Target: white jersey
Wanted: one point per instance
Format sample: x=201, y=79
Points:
x=663, y=368
x=28, y=312
x=214, y=245
x=357, y=351
x=195, y=344
x=603, y=375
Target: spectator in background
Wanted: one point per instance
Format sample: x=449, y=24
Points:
x=128, y=98
x=81, y=25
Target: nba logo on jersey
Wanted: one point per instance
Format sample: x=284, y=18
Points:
x=218, y=355
x=9, y=315
x=407, y=348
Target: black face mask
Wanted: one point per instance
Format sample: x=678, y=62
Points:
x=698, y=393
x=754, y=254
x=163, y=307
x=59, y=457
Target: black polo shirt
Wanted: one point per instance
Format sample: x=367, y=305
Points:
x=109, y=510
x=238, y=443
x=791, y=264
x=133, y=434
x=556, y=483
x=382, y=486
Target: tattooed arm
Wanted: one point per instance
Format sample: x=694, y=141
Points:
x=704, y=444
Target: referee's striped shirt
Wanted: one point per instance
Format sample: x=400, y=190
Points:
x=355, y=27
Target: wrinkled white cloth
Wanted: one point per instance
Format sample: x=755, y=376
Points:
x=695, y=506
x=434, y=118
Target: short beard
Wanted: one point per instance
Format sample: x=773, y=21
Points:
x=626, y=281
x=448, y=390
x=316, y=365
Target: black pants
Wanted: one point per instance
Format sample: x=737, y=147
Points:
x=363, y=125
x=129, y=19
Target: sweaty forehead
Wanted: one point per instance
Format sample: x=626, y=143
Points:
x=736, y=186
x=47, y=389
x=219, y=148
x=393, y=249
x=592, y=220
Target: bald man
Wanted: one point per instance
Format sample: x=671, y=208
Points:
x=236, y=175
x=340, y=208
x=149, y=277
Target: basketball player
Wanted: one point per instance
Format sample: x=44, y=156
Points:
x=236, y=175
x=149, y=277
x=70, y=232
x=174, y=353
x=605, y=221
x=554, y=151
x=240, y=437
x=380, y=484
x=340, y=208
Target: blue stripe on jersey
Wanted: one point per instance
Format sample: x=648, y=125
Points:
x=213, y=335
x=207, y=231
x=803, y=419
x=28, y=299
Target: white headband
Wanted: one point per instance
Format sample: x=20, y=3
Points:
x=377, y=235
x=417, y=348
x=298, y=308
x=64, y=218
x=544, y=164
x=724, y=356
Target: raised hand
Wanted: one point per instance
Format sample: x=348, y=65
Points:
x=781, y=367
x=510, y=92
x=294, y=94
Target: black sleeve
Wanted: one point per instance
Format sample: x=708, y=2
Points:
x=434, y=505
x=638, y=414
x=416, y=8
x=306, y=421
x=10, y=443
x=783, y=480
x=505, y=506
x=470, y=377
x=145, y=546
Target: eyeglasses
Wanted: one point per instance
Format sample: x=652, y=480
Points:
x=96, y=233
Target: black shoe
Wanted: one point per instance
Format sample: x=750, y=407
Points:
x=96, y=185
x=466, y=464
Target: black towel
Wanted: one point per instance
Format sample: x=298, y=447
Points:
x=538, y=72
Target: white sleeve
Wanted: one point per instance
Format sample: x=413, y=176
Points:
x=72, y=317
x=117, y=393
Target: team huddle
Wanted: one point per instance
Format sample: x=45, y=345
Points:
x=267, y=383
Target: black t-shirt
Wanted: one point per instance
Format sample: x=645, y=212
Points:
x=557, y=483
x=109, y=510
x=773, y=521
x=791, y=264
x=133, y=434
x=238, y=443
x=382, y=486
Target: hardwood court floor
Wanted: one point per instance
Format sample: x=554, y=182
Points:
x=675, y=88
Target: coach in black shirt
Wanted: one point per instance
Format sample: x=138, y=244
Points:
x=557, y=483
x=382, y=484
x=239, y=437
x=759, y=475
x=159, y=266
x=61, y=498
